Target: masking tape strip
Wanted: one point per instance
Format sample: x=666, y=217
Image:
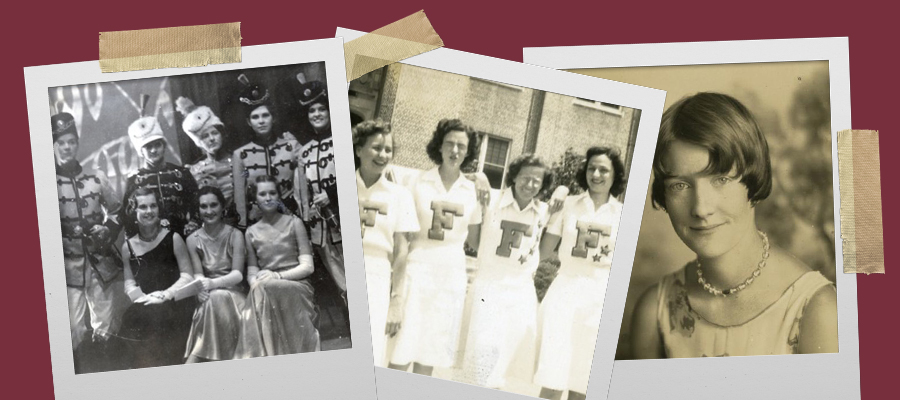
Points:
x=177, y=47
x=860, y=185
x=399, y=40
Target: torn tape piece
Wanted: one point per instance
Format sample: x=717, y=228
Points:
x=177, y=47
x=862, y=230
x=399, y=40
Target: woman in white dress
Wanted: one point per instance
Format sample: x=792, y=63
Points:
x=446, y=203
x=387, y=217
x=504, y=307
x=584, y=233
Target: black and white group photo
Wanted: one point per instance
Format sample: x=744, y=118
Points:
x=736, y=252
x=489, y=214
x=199, y=217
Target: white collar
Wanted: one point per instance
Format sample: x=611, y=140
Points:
x=507, y=198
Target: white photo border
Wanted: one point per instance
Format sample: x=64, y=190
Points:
x=343, y=373
x=401, y=385
x=801, y=376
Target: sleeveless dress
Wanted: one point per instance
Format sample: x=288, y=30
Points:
x=217, y=321
x=776, y=330
x=157, y=333
x=503, y=320
x=279, y=315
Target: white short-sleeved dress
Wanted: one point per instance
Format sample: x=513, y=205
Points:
x=385, y=208
x=569, y=316
x=503, y=319
x=436, y=272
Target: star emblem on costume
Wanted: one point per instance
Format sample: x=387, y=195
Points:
x=605, y=250
x=523, y=259
x=597, y=257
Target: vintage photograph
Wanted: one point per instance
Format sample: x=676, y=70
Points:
x=489, y=215
x=736, y=253
x=199, y=217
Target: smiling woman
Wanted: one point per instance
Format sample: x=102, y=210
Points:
x=741, y=295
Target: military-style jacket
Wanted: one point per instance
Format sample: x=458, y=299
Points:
x=317, y=160
x=86, y=199
x=278, y=159
x=176, y=190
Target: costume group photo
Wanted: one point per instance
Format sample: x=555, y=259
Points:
x=199, y=218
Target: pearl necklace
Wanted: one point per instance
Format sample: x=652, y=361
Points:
x=718, y=292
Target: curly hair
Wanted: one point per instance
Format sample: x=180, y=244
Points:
x=253, y=186
x=130, y=223
x=529, y=160
x=363, y=131
x=444, y=127
x=619, y=180
x=727, y=130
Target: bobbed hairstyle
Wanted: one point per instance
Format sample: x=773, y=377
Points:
x=210, y=190
x=363, y=131
x=444, y=127
x=529, y=160
x=727, y=130
x=619, y=180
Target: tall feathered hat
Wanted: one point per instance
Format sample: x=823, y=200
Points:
x=62, y=123
x=311, y=92
x=253, y=95
x=197, y=119
x=146, y=129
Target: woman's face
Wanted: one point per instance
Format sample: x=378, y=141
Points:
x=65, y=148
x=454, y=149
x=267, y=197
x=528, y=182
x=600, y=174
x=711, y=213
x=211, y=140
x=376, y=153
x=319, y=117
x=154, y=152
x=210, y=208
x=261, y=120
x=146, y=210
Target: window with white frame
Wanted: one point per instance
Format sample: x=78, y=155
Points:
x=599, y=105
x=493, y=159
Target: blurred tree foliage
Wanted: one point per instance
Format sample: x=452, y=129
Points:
x=544, y=276
x=564, y=170
x=799, y=214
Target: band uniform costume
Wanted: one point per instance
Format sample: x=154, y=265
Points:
x=94, y=281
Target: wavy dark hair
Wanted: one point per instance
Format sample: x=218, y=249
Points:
x=727, y=130
x=214, y=191
x=619, y=180
x=529, y=160
x=130, y=222
x=444, y=127
x=363, y=131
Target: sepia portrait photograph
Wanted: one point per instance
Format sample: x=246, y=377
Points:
x=490, y=214
x=200, y=217
x=737, y=248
